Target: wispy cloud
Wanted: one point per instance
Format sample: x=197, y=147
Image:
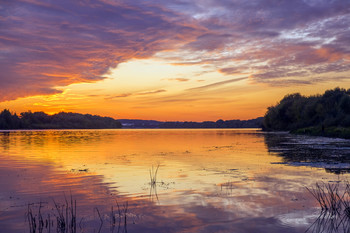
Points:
x=135, y=94
x=217, y=84
x=151, y=92
x=118, y=96
x=178, y=79
x=231, y=70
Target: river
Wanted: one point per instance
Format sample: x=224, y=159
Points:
x=160, y=180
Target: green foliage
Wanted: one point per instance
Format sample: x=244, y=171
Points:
x=62, y=120
x=324, y=112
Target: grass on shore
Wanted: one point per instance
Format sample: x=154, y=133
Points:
x=333, y=132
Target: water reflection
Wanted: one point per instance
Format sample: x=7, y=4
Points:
x=329, y=223
x=329, y=153
x=207, y=181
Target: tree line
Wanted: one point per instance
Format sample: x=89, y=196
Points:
x=321, y=113
x=152, y=124
x=253, y=123
x=62, y=120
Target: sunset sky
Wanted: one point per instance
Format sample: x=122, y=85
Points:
x=169, y=60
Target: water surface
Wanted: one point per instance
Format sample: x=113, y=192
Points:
x=208, y=180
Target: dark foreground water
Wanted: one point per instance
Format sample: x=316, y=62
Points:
x=207, y=180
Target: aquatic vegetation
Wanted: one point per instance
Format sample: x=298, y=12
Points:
x=63, y=219
x=122, y=214
x=153, y=175
x=327, y=223
x=153, y=183
x=332, y=154
x=36, y=222
x=328, y=196
x=334, y=200
x=228, y=187
x=65, y=216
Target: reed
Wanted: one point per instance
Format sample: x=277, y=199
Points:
x=153, y=175
x=36, y=222
x=334, y=201
x=31, y=220
x=328, y=196
x=101, y=220
x=122, y=214
x=65, y=218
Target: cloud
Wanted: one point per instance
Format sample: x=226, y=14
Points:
x=151, y=92
x=178, y=79
x=118, y=96
x=231, y=70
x=267, y=37
x=135, y=94
x=209, y=42
x=49, y=44
x=285, y=82
x=217, y=84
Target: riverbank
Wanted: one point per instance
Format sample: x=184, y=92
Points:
x=333, y=132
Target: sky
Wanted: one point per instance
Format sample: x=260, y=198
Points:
x=170, y=60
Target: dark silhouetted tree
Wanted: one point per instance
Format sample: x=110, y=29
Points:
x=332, y=109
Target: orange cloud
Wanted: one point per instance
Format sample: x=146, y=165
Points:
x=46, y=45
x=178, y=79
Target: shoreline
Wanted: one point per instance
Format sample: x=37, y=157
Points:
x=331, y=132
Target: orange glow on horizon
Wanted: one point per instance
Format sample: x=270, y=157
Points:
x=153, y=89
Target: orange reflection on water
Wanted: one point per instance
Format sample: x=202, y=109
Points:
x=125, y=156
x=229, y=172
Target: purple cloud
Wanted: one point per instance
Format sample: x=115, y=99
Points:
x=286, y=40
x=49, y=44
x=217, y=84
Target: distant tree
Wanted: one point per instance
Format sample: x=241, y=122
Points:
x=9, y=120
x=253, y=123
x=40, y=120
